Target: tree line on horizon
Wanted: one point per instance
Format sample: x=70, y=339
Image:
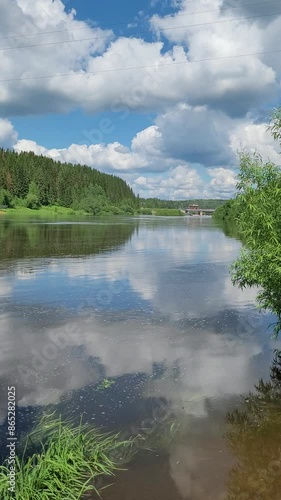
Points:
x=180, y=204
x=31, y=181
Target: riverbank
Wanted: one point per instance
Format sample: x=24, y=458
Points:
x=55, y=210
x=42, y=211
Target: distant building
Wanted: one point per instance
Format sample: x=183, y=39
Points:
x=193, y=207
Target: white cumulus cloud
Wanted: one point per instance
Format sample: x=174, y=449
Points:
x=8, y=135
x=205, y=111
x=92, y=58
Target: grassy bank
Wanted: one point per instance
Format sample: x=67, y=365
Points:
x=53, y=211
x=63, y=462
x=42, y=211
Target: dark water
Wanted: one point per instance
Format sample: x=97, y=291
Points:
x=148, y=304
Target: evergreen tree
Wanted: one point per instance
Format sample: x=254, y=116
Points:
x=40, y=180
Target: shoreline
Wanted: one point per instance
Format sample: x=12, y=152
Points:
x=56, y=210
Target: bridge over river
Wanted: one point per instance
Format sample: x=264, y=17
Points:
x=194, y=210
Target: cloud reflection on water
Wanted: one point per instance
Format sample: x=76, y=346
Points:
x=171, y=304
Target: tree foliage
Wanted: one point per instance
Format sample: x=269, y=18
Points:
x=32, y=199
x=259, y=222
x=256, y=211
x=228, y=212
x=6, y=198
x=275, y=126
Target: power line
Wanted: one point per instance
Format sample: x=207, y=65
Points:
x=156, y=66
x=134, y=21
x=140, y=32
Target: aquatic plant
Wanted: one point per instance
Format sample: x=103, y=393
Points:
x=62, y=462
x=105, y=384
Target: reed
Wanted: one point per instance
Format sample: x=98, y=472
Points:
x=62, y=462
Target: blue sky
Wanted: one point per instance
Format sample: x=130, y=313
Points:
x=171, y=125
x=110, y=12
x=63, y=130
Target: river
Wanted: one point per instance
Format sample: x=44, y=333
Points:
x=147, y=304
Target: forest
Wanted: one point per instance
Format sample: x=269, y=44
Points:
x=31, y=181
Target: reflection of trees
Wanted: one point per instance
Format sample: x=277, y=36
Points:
x=35, y=240
x=230, y=229
x=254, y=436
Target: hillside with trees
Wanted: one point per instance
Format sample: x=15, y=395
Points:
x=27, y=180
x=31, y=181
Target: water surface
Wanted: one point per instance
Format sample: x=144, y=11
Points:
x=148, y=304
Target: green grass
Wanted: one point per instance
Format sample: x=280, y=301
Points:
x=42, y=211
x=53, y=211
x=166, y=212
x=63, y=462
x=162, y=212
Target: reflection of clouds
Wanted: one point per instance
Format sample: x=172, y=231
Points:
x=6, y=287
x=183, y=271
x=211, y=366
x=194, y=469
x=47, y=362
x=41, y=370
x=187, y=333
x=198, y=292
x=182, y=469
x=238, y=297
x=39, y=398
x=49, y=388
x=8, y=355
x=26, y=273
